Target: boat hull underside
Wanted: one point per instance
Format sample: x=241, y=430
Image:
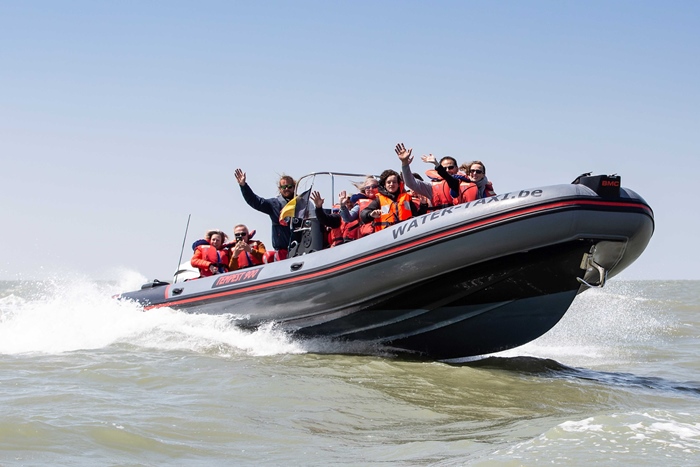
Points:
x=472, y=311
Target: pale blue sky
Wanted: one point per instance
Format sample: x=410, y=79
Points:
x=118, y=119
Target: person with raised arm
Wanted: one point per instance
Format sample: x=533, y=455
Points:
x=447, y=191
x=281, y=234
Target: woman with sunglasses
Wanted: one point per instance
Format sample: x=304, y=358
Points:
x=351, y=206
x=476, y=171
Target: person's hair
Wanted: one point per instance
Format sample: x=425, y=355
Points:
x=476, y=162
x=289, y=178
x=361, y=185
x=386, y=174
x=454, y=161
x=240, y=225
x=211, y=233
x=417, y=176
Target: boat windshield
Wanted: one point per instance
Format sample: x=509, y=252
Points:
x=330, y=184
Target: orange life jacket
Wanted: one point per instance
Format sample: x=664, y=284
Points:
x=205, y=255
x=393, y=212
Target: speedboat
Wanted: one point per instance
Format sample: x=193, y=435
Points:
x=467, y=280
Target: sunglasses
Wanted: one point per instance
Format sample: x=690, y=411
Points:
x=476, y=171
x=450, y=167
x=371, y=187
x=240, y=235
x=286, y=187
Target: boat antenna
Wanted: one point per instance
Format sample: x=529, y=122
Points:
x=177, y=268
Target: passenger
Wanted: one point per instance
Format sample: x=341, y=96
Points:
x=461, y=189
x=245, y=252
x=355, y=229
x=339, y=231
x=476, y=171
x=281, y=234
x=332, y=222
x=423, y=202
x=447, y=191
x=350, y=207
x=367, y=191
x=392, y=204
x=210, y=258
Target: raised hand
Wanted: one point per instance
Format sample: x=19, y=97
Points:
x=240, y=176
x=316, y=198
x=404, y=154
x=429, y=158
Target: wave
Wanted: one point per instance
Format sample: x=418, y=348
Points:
x=71, y=314
x=76, y=313
x=546, y=367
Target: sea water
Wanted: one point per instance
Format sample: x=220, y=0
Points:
x=87, y=380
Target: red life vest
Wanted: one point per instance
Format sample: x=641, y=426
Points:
x=246, y=260
x=467, y=192
x=441, y=192
x=335, y=234
x=441, y=195
x=364, y=229
x=350, y=230
x=205, y=255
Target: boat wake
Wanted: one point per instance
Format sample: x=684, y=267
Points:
x=67, y=315
x=74, y=314
x=545, y=367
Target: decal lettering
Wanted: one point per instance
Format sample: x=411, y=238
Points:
x=404, y=227
x=610, y=183
x=399, y=230
x=237, y=277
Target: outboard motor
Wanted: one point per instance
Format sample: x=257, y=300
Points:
x=606, y=186
x=307, y=236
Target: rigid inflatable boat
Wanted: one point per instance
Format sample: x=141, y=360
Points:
x=466, y=280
